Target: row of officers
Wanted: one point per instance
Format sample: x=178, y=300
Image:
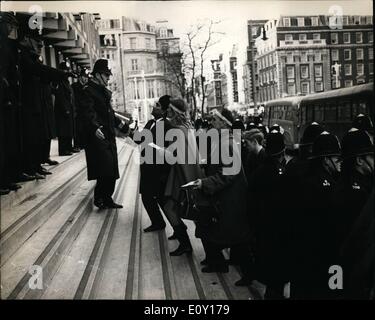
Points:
x=305, y=219
x=36, y=104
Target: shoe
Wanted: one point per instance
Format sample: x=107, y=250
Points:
x=243, y=282
x=25, y=177
x=75, y=150
x=3, y=192
x=219, y=269
x=39, y=176
x=68, y=153
x=51, y=162
x=204, y=262
x=44, y=171
x=154, y=227
x=14, y=186
x=113, y=205
x=100, y=204
x=173, y=236
x=181, y=250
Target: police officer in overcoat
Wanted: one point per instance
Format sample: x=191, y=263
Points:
x=311, y=245
x=99, y=122
x=349, y=198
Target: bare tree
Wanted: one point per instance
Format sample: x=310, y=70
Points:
x=200, y=38
x=173, y=67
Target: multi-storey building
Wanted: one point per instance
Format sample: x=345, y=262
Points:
x=217, y=88
x=304, y=54
x=233, y=90
x=144, y=55
x=250, y=77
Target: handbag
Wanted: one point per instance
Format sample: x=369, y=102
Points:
x=198, y=207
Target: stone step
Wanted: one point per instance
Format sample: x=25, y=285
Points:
x=30, y=188
x=79, y=270
x=51, y=243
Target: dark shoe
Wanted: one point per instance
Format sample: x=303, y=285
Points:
x=112, y=205
x=75, y=150
x=14, y=186
x=25, y=177
x=219, y=269
x=181, y=250
x=39, y=176
x=204, y=262
x=243, y=282
x=173, y=236
x=100, y=204
x=68, y=153
x=154, y=227
x=51, y=162
x=3, y=192
x=43, y=171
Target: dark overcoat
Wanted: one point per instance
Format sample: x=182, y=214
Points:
x=95, y=112
x=229, y=193
x=64, y=110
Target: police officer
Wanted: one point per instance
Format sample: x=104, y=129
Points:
x=311, y=228
x=363, y=122
x=349, y=198
x=99, y=123
x=64, y=112
x=267, y=218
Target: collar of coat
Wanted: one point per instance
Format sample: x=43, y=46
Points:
x=99, y=87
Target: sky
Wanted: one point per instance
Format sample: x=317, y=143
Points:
x=182, y=14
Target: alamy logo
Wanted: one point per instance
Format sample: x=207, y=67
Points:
x=36, y=279
x=36, y=20
x=335, y=282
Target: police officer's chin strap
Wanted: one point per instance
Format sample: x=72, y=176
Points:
x=101, y=78
x=334, y=172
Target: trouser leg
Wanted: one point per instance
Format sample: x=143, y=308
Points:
x=150, y=203
x=104, y=189
x=214, y=254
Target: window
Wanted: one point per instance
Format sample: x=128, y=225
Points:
x=254, y=31
x=345, y=20
x=346, y=37
x=291, y=89
x=148, y=43
x=134, y=64
x=359, y=53
x=369, y=20
x=318, y=70
x=305, y=87
x=163, y=33
x=133, y=43
x=319, y=113
x=150, y=88
x=370, y=53
x=370, y=37
x=303, y=56
x=290, y=72
x=315, y=21
x=304, y=71
x=360, y=69
x=358, y=37
x=318, y=86
x=334, y=38
x=302, y=37
x=288, y=37
x=317, y=56
x=348, y=69
x=289, y=56
x=335, y=55
x=371, y=68
x=347, y=54
x=357, y=20
x=301, y=22
x=348, y=83
x=316, y=36
x=150, y=66
x=286, y=22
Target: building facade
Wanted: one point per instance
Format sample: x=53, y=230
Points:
x=145, y=57
x=303, y=55
x=217, y=88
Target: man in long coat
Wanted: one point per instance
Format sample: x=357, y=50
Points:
x=99, y=122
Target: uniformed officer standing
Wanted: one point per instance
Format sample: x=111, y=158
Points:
x=311, y=251
x=349, y=198
x=99, y=123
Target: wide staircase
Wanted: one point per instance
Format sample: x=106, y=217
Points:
x=56, y=245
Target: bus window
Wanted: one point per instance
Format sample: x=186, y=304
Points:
x=354, y=110
x=344, y=112
x=310, y=113
x=303, y=114
x=319, y=113
x=330, y=112
x=362, y=108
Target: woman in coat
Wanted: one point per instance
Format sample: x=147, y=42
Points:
x=228, y=193
x=180, y=173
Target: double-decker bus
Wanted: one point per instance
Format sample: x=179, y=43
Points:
x=334, y=109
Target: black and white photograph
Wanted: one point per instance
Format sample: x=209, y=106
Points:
x=204, y=151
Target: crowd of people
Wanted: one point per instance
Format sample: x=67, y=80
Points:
x=304, y=218
x=37, y=105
